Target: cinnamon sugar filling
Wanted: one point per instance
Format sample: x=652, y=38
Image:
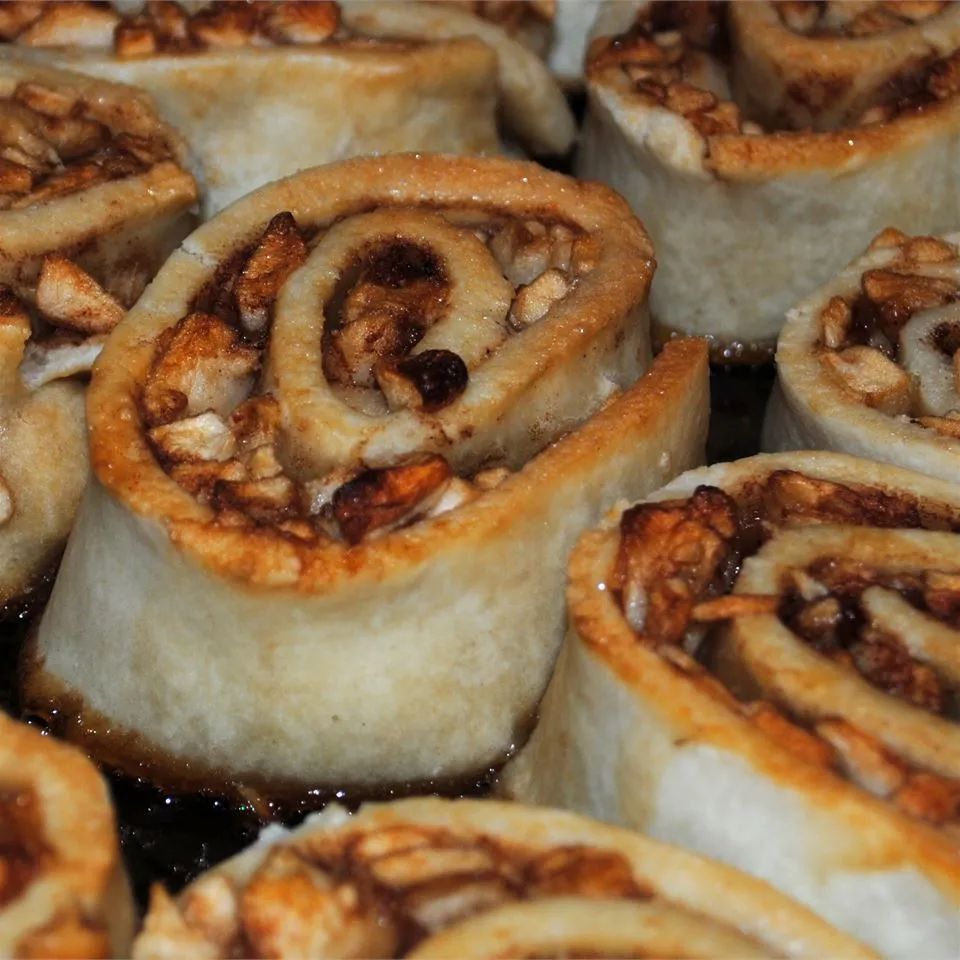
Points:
x=679, y=559
x=207, y=404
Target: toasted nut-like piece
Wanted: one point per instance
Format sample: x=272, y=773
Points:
x=901, y=295
x=928, y=250
x=203, y=437
x=200, y=365
x=169, y=21
x=889, y=237
x=534, y=301
x=670, y=554
x=299, y=22
x=732, y=606
x=71, y=24
x=292, y=909
x=877, y=380
x=377, y=499
x=685, y=98
x=135, y=38
x=268, y=500
x=586, y=254
x=863, y=758
x=279, y=252
x=791, y=498
x=225, y=25
x=805, y=745
x=522, y=250
x=69, y=297
x=73, y=137
x=835, y=320
x=425, y=381
x=58, y=359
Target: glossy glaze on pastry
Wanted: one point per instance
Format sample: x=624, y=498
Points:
x=349, y=429
x=762, y=667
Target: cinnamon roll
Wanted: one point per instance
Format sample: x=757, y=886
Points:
x=93, y=198
x=766, y=142
x=348, y=428
x=762, y=667
x=870, y=364
x=263, y=90
x=63, y=888
x=438, y=878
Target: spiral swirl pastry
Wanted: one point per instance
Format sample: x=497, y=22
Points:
x=765, y=143
x=435, y=878
x=261, y=90
x=348, y=428
x=92, y=200
x=762, y=667
x=63, y=888
x=870, y=363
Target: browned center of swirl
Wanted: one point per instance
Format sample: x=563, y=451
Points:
x=391, y=296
